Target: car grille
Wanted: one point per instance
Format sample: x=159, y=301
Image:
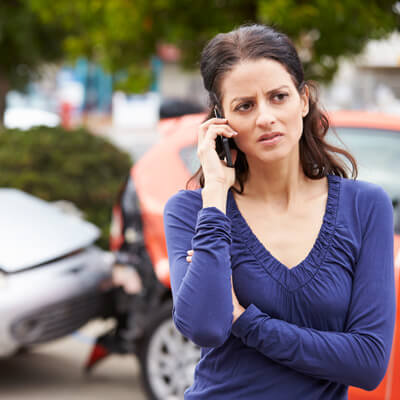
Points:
x=57, y=320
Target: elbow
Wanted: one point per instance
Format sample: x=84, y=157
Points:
x=202, y=335
x=372, y=378
x=209, y=338
x=370, y=385
x=376, y=379
x=370, y=374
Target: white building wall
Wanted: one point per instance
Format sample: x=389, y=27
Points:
x=176, y=82
x=368, y=81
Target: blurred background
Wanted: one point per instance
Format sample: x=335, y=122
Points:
x=87, y=88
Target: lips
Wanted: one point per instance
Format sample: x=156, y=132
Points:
x=269, y=136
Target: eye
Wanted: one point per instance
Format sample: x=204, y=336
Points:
x=280, y=96
x=243, y=106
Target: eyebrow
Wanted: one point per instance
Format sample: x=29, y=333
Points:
x=251, y=97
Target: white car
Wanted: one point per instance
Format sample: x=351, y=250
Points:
x=53, y=279
x=26, y=118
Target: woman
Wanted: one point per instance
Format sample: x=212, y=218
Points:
x=309, y=252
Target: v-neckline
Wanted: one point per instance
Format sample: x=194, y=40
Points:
x=290, y=277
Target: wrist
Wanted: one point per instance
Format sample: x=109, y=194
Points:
x=215, y=195
x=216, y=185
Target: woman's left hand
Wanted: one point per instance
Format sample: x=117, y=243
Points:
x=238, y=310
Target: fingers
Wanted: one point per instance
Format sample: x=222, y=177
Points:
x=189, y=257
x=208, y=137
x=215, y=126
x=213, y=130
x=224, y=130
x=214, y=168
x=214, y=121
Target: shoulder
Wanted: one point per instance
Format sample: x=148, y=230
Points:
x=184, y=201
x=365, y=199
x=365, y=193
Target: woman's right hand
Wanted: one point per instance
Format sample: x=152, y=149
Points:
x=214, y=169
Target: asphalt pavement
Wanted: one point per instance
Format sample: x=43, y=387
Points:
x=54, y=371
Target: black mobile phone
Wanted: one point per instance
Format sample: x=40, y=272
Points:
x=223, y=144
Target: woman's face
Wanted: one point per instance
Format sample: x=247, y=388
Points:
x=260, y=98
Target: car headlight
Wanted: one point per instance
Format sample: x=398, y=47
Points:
x=3, y=279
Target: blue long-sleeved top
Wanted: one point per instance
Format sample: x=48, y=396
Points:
x=309, y=331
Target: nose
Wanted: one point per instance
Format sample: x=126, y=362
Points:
x=265, y=115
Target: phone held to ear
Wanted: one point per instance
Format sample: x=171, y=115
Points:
x=223, y=144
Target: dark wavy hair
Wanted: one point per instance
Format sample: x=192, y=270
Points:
x=252, y=42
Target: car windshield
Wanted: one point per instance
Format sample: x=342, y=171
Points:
x=377, y=153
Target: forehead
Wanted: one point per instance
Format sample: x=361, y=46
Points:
x=251, y=75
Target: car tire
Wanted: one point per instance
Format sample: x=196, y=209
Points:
x=167, y=358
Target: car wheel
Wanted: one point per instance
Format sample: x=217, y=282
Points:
x=166, y=357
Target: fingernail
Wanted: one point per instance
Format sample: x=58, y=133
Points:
x=235, y=133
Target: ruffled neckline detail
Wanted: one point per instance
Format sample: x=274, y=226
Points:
x=299, y=275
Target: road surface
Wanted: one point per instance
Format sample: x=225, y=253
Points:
x=54, y=371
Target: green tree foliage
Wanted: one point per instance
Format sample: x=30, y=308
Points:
x=118, y=34
x=124, y=33
x=25, y=43
x=324, y=30
x=55, y=164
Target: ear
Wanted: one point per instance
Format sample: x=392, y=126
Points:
x=305, y=97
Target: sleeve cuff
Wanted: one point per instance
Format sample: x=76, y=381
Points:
x=212, y=224
x=244, y=323
x=212, y=212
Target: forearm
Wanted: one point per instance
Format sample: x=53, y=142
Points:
x=203, y=303
x=351, y=358
x=201, y=289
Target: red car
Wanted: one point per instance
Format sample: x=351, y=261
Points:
x=167, y=358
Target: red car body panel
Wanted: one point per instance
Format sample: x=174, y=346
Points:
x=160, y=173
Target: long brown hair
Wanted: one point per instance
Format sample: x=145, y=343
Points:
x=251, y=42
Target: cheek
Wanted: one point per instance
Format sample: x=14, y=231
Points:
x=295, y=122
x=299, y=126
x=239, y=124
x=240, y=143
x=244, y=129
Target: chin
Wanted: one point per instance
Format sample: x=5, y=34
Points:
x=275, y=155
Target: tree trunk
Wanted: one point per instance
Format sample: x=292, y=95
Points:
x=4, y=87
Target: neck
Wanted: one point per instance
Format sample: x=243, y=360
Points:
x=279, y=184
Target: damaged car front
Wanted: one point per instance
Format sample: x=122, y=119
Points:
x=53, y=278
